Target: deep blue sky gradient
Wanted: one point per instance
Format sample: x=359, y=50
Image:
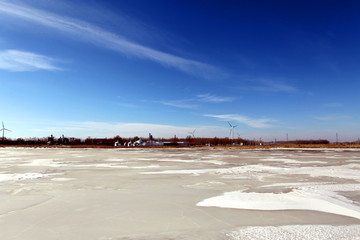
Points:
x=271, y=67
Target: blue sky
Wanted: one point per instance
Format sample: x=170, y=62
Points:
x=106, y=68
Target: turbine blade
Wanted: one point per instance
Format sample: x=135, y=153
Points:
x=230, y=124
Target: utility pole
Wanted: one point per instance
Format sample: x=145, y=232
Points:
x=337, y=138
x=287, y=137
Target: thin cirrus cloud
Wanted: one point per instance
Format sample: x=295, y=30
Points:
x=331, y=117
x=20, y=61
x=324, y=118
x=211, y=98
x=193, y=103
x=186, y=104
x=87, y=32
x=333, y=105
x=252, y=122
x=268, y=85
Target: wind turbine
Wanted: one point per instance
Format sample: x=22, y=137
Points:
x=232, y=130
x=3, y=130
x=193, y=133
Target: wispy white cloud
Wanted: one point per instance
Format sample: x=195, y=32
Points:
x=87, y=32
x=324, y=118
x=20, y=61
x=334, y=104
x=179, y=104
x=267, y=85
x=331, y=117
x=195, y=102
x=127, y=105
x=252, y=122
x=211, y=98
x=277, y=86
x=124, y=102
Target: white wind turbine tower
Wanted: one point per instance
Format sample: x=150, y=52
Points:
x=3, y=130
x=232, y=130
x=193, y=133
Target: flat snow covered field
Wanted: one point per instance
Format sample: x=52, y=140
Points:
x=188, y=193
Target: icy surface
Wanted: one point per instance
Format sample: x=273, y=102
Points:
x=187, y=193
x=296, y=232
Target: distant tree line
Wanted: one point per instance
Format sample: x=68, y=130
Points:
x=89, y=141
x=321, y=141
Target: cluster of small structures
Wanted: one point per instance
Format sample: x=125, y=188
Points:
x=141, y=142
x=152, y=142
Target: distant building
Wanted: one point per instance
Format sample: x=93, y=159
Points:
x=154, y=143
x=139, y=142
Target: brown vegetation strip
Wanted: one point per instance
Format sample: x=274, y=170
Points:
x=315, y=146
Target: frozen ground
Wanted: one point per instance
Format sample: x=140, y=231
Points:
x=158, y=194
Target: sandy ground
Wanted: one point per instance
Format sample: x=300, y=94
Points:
x=113, y=194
